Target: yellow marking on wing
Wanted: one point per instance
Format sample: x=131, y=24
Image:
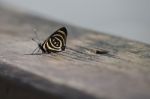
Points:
x=44, y=44
x=50, y=48
x=54, y=45
x=62, y=32
x=64, y=40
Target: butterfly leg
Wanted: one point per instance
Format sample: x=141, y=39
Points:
x=34, y=50
x=38, y=50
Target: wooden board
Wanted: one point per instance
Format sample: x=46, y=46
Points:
x=78, y=72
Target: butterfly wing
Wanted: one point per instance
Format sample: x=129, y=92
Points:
x=56, y=42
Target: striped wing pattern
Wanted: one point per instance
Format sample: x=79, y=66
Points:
x=55, y=42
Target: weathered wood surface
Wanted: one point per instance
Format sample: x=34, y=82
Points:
x=124, y=73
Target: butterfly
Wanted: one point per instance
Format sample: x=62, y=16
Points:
x=56, y=42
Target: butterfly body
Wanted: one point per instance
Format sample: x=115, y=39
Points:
x=56, y=42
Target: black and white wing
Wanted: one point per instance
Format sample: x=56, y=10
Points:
x=56, y=42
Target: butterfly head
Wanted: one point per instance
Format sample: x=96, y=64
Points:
x=41, y=47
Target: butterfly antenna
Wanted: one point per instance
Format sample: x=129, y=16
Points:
x=35, y=32
x=35, y=41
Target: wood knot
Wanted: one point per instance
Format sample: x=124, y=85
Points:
x=96, y=51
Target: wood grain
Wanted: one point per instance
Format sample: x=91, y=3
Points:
x=122, y=73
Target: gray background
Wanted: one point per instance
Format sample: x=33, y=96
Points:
x=125, y=18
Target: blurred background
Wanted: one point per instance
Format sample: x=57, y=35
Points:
x=125, y=18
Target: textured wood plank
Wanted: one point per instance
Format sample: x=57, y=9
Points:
x=123, y=73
